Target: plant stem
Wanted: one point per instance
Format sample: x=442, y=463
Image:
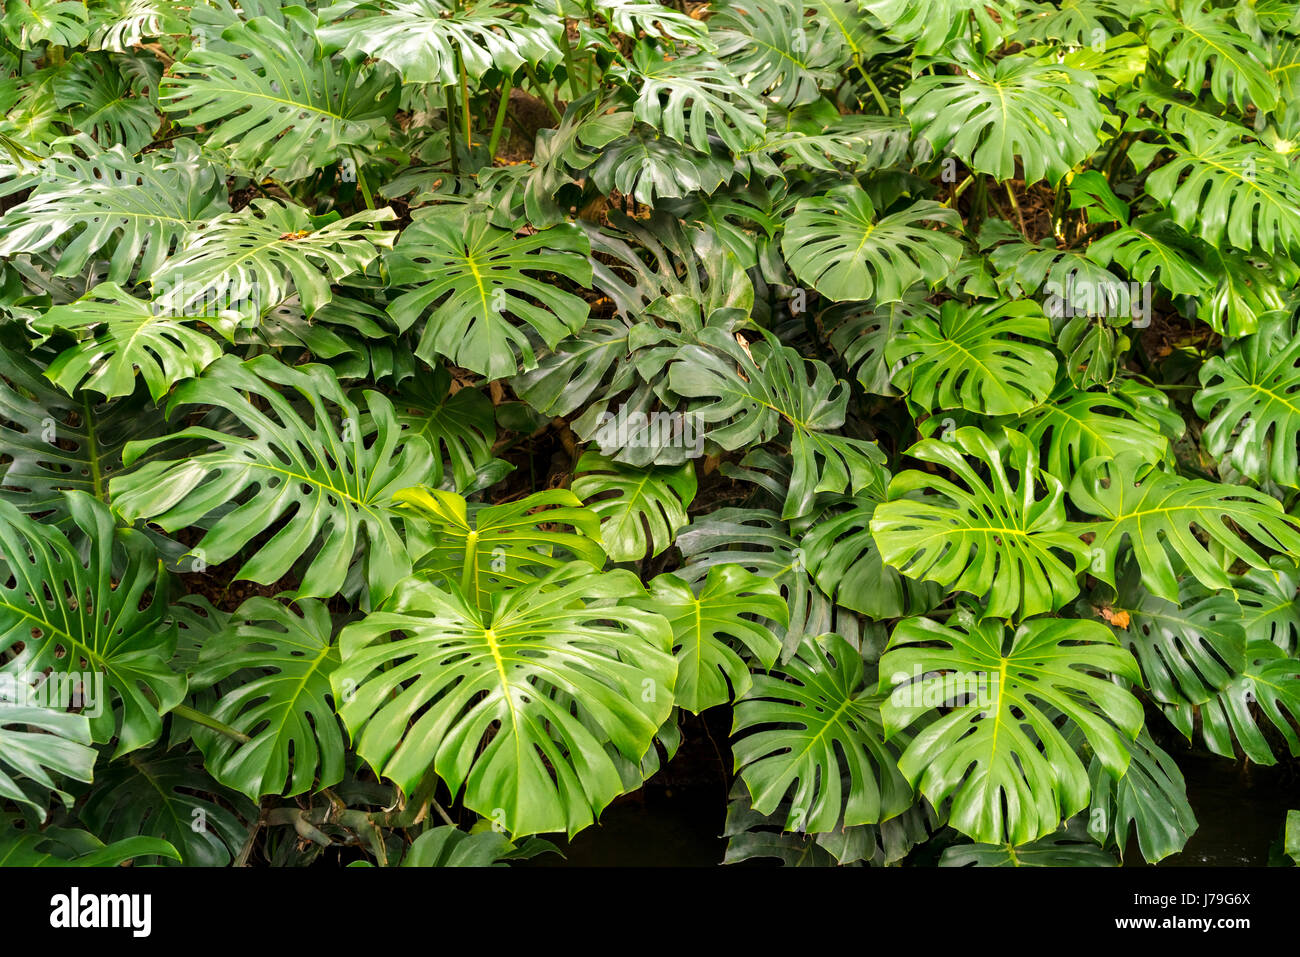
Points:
x=875, y=90
x=541, y=92
x=956, y=193
x=464, y=102
x=198, y=717
x=451, y=133
x=365, y=188
x=499, y=123
x=1011, y=195
x=570, y=71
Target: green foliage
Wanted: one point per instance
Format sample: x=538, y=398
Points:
x=414, y=413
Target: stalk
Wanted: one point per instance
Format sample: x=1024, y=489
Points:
x=451, y=133
x=498, y=124
x=198, y=717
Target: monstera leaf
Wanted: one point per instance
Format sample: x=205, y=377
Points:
x=471, y=275
x=690, y=97
x=851, y=142
x=759, y=541
x=68, y=847
x=993, y=742
x=1196, y=38
x=861, y=333
x=640, y=510
x=708, y=626
x=425, y=40
x=975, y=357
x=1262, y=701
x=325, y=486
x=1074, y=426
x=930, y=25
x=27, y=23
x=840, y=246
x=500, y=546
x=126, y=334
x=1069, y=846
x=991, y=114
x=650, y=168
x=274, y=666
x=284, y=108
x=104, y=103
x=746, y=394
x=119, y=25
x=100, y=620
x=461, y=425
x=993, y=538
x=1250, y=400
x=1223, y=189
x=449, y=846
x=1151, y=798
x=817, y=730
x=842, y=555
x=1270, y=602
x=40, y=742
x=775, y=50
x=252, y=260
x=514, y=707
x=1159, y=513
x=1189, y=649
x=166, y=797
x=129, y=210
x=54, y=441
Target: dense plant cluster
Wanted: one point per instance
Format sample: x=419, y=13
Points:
x=412, y=410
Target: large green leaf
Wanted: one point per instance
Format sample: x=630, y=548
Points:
x=1069, y=846
x=1160, y=514
x=130, y=210
x=97, y=618
x=994, y=538
x=460, y=424
x=991, y=114
x=1261, y=702
x=1150, y=798
x=1189, y=649
x=841, y=554
x=321, y=486
x=747, y=394
x=514, y=707
x=251, y=261
x=772, y=48
x=975, y=357
x=1074, y=426
x=40, y=741
x=709, y=625
x=54, y=441
x=124, y=335
x=65, y=847
x=1196, y=38
x=497, y=547
x=165, y=796
x=761, y=542
x=817, y=729
x=426, y=40
x=469, y=276
x=1250, y=401
x=993, y=743
x=1224, y=189
x=640, y=509
x=690, y=97
x=840, y=246
x=283, y=107
x=274, y=666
